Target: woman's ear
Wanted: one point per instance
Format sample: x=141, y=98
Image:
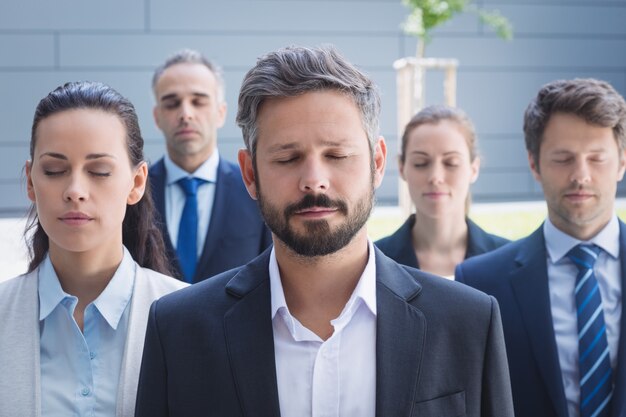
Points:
x=140, y=178
x=30, y=188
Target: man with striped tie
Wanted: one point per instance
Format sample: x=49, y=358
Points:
x=561, y=288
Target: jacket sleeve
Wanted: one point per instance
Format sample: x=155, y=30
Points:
x=497, y=400
x=152, y=390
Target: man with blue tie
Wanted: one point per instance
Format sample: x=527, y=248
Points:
x=209, y=222
x=561, y=288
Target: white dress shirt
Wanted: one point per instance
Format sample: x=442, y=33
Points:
x=331, y=378
x=175, y=197
x=561, y=279
x=80, y=371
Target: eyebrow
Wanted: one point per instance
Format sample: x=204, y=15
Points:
x=427, y=154
x=89, y=156
x=296, y=145
x=173, y=96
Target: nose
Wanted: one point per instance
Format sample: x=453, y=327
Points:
x=313, y=177
x=436, y=173
x=75, y=190
x=186, y=112
x=581, y=174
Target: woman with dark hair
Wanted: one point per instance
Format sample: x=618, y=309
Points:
x=72, y=328
x=439, y=161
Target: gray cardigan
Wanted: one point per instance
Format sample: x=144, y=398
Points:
x=20, y=388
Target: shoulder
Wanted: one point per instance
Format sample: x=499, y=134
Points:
x=17, y=285
x=157, y=282
x=157, y=169
x=399, y=238
x=199, y=300
x=482, y=240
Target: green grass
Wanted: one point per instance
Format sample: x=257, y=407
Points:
x=510, y=223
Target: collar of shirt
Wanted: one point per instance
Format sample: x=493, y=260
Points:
x=365, y=292
x=558, y=243
x=207, y=171
x=110, y=303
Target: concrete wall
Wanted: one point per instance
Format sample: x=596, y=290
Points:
x=43, y=44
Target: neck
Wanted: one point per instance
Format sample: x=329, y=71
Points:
x=84, y=274
x=190, y=163
x=317, y=289
x=439, y=234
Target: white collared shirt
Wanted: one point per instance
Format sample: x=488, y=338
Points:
x=175, y=196
x=561, y=280
x=331, y=378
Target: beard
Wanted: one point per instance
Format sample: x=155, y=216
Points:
x=318, y=238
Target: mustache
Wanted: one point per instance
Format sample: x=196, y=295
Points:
x=316, y=200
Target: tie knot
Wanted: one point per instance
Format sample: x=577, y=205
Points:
x=190, y=185
x=584, y=256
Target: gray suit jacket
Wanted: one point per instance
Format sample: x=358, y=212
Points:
x=20, y=388
x=439, y=348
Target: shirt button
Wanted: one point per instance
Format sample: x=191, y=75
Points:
x=85, y=392
x=92, y=355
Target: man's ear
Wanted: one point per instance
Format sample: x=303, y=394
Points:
x=247, y=172
x=140, y=180
x=534, y=166
x=380, y=160
x=30, y=189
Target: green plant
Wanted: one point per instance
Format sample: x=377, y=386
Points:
x=427, y=14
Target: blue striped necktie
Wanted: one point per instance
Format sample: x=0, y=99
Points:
x=187, y=242
x=594, y=362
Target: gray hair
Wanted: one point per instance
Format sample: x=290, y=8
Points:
x=293, y=71
x=190, y=56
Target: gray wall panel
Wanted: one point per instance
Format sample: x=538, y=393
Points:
x=120, y=51
x=72, y=15
x=318, y=16
x=43, y=44
x=33, y=51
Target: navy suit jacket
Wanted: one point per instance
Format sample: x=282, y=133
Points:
x=209, y=350
x=399, y=245
x=517, y=275
x=236, y=234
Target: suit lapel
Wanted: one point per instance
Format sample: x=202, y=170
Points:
x=250, y=339
x=400, y=336
x=619, y=394
x=219, y=213
x=530, y=286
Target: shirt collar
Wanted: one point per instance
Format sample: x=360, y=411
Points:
x=558, y=243
x=207, y=171
x=365, y=289
x=111, y=303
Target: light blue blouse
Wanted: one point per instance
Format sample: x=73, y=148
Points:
x=80, y=371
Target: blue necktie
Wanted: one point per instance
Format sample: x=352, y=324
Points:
x=187, y=244
x=594, y=362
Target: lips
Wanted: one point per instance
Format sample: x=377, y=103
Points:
x=75, y=218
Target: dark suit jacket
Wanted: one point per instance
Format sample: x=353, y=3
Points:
x=236, y=232
x=399, y=245
x=209, y=351
x=517, y=276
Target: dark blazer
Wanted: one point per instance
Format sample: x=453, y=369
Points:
x=439, y=348
x=236, y=232
x=399, y=245
x=517, y=276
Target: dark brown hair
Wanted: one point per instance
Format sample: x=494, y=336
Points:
x=594, y=101
x=139, y=233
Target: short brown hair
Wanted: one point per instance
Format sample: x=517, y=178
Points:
x=592, y=100
x=435, y=114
